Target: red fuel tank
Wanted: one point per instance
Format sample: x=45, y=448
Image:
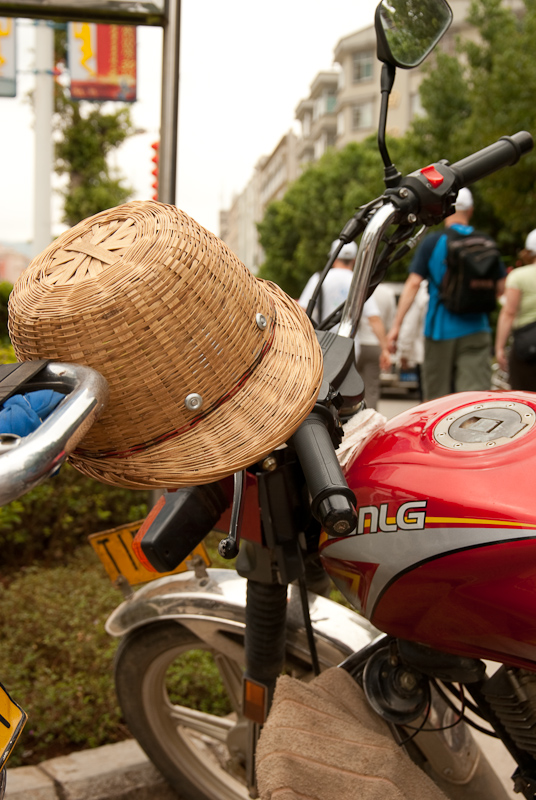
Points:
x=445, y=547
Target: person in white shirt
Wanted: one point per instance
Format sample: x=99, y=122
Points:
x=335, y=291
x=410, y=342
x=370, y=355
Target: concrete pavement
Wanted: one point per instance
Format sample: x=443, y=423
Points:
x=114, y=772
x=122, y=772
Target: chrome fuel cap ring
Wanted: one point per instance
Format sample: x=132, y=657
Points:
x=485, y=425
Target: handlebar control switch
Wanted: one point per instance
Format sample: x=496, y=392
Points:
x=433, y=177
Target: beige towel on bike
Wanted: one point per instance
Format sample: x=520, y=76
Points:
x=322, y=741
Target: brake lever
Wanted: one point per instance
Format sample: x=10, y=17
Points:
x=228, y=547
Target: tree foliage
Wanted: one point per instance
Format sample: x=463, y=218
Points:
x=86, y=134
x=297, y=231
x=472, y=97
x=5, y=291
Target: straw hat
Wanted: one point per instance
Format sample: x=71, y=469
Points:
x=209, y=368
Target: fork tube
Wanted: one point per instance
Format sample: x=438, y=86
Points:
x=363, y=269
x=266, y=614
x=265, y=638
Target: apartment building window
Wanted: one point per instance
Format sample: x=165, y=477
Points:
x=363, y=65
x=331, y=100
x=362, y=116
x=325, y=104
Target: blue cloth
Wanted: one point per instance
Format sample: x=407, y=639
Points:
x=430, y=262
x=23, y=413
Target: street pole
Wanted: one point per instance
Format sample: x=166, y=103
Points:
x=44, y=109
x=167, y=164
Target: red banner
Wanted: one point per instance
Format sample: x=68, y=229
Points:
x=102, y=61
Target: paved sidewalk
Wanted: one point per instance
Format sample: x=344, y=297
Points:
x=113, y=772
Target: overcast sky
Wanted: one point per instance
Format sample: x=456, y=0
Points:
x=244, y=68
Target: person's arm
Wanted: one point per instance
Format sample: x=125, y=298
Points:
x=411, y=287
x=378, y=327
x=512, y=301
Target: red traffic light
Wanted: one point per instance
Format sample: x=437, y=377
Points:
x=155, y=159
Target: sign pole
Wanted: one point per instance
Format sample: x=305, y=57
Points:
x=43, y=108
x=167, y=163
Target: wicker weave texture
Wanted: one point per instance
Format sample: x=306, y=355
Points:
x=164, y=310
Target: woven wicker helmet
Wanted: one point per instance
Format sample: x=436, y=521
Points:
x=209, y=368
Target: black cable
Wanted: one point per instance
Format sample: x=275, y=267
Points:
x=308, y=626
x=466, y=719
x=312, y=302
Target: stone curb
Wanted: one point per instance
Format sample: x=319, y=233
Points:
x=119, y=771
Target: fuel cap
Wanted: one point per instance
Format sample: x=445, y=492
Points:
x=484, y=425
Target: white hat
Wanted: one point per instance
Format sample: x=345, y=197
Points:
x=348, y=252
x=530, y=241
x=464, y=201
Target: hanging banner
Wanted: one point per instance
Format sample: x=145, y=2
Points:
x=8, y=74
x=102, y=61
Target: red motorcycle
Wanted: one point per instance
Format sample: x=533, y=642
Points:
x=428, y=531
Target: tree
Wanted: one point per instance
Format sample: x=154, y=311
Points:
x=5, y=291
x=86, y=135
x=444, y=95
x=471, y=99
x=502, y=103
x=297, y=231
x=474, y=98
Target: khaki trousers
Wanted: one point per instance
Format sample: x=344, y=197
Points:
x=457, y=365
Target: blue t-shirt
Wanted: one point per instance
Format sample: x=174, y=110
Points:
x=430, y=262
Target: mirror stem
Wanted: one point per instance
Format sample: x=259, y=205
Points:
x=391, y=175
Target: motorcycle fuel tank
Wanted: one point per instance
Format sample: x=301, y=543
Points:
x=445, y=548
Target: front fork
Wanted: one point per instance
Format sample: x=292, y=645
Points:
x=265, y=637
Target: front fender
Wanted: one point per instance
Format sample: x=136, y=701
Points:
x=213, y=608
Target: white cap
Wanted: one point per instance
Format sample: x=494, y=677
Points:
x=348, y=252
x=530, y=241
x=464, y=201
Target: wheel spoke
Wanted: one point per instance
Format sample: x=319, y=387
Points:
x=231, y=675
x=206, y=724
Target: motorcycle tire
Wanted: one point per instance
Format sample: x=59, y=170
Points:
x=197, y=752
x=201, y=754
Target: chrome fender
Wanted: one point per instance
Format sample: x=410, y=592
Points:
x=213, y=607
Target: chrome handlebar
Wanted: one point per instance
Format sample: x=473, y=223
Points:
x=25, y=462
x=366, y=255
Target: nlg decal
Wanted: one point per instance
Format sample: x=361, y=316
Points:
x=410, y=516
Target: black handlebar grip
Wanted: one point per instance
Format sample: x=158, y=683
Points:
x=332, y=501
x=503, y=153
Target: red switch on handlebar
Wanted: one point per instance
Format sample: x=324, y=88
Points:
x=433, y=177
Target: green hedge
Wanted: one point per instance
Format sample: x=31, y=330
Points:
x=57, y=516
x=56, y=658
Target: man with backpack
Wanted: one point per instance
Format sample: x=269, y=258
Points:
x=465, y=276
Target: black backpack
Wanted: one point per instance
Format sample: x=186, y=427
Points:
x=473, y=268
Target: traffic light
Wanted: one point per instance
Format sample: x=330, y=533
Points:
x=154, y=159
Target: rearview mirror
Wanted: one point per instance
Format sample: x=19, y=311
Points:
x=408, y=30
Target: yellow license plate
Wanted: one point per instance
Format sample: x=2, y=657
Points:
x=12, y=720
x=114, y=548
